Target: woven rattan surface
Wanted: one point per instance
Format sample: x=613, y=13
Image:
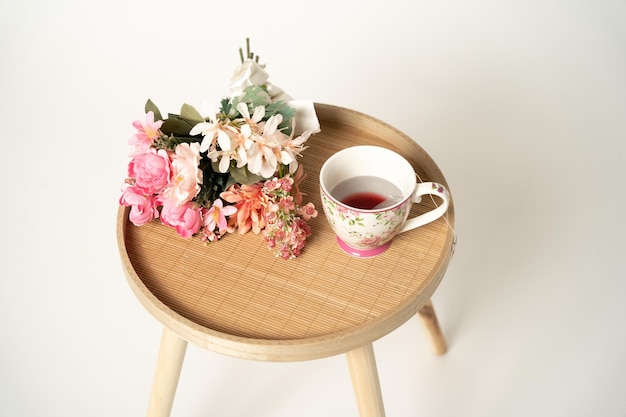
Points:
x=236, y=287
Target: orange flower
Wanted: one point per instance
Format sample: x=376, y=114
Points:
x=251, y=204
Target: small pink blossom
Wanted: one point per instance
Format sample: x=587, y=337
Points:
x=147, y=132
x=216, y=216
x=209, y=235
x=308, y=211
x=286, y=183
x=286, y=204
x=186, y=219
x=271, y=185
x=287, y=240
x=150, y=170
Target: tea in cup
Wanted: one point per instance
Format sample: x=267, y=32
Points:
x=367, y=193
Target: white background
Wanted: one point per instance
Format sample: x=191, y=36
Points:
x=521, y=103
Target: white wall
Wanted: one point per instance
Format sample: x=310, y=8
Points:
x=521, y=103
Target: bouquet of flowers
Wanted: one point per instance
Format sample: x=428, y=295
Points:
x=235, y=170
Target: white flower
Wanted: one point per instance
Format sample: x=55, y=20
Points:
x=211, y=130
x=223, y=156
x=243, y=141
x=291, y=148
x=247, y=74
x=250, y=73
x=264, y=154
x=256, y=118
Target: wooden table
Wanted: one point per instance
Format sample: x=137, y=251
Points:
x=236, y=298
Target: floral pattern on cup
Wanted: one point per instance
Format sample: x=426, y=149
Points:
x=367, y=230
x=439, y=188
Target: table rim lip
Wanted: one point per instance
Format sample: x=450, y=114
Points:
x=235, y=345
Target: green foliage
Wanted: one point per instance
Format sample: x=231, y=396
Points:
x=190, y=114
x=226, y=106
x=174, y=125
x=150, y=106
x=254, y=96
x=213, y=183
x=243, y=176
x=280, y=107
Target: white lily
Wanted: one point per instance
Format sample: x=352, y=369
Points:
x=211, y=130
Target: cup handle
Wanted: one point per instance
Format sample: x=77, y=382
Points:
x=424, y=188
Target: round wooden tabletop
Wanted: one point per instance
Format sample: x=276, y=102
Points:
x=236, y=298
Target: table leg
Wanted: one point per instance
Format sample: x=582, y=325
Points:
x=169, y=364
x=362, y=364
x=430, y=322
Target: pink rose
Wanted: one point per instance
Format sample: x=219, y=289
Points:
x=186, y=176
x=186, y=219
x=371, y=242
x=142, y=207
x=150, y=170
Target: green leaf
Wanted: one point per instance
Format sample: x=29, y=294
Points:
x=225, y=105
x=280, y=107
x=254, y=96
x=231, y=181
x=190, y=114
x=243, y=176
x=176, y=127
x=150, y=106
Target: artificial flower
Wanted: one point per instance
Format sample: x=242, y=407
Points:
x=150, y=170
x=308, y=211
x=250, y=202
x=143, y=207
x=186, y=176
x=212, y=130
x=292, y=149
x=216, y=216
x=262, y=155
x=236, y=170
x=257, y=116
x=249, y=73
x=186, y=218
x=147, y=132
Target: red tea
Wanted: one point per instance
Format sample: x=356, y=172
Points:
x=363, y=201
x=367, y=192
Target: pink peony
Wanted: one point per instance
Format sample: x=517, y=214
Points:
x=150, y=170
x=143, y=207
x=186, y=176
x=186, y=219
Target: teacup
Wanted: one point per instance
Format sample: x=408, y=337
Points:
x=367, y=193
